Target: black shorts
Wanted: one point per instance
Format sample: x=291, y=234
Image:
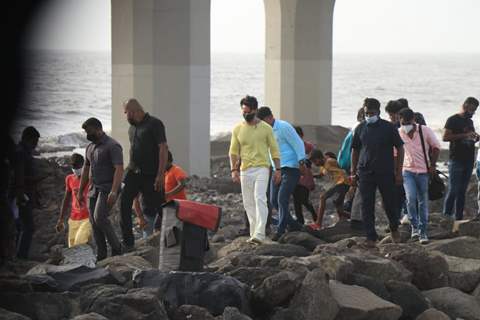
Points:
x=340, y=190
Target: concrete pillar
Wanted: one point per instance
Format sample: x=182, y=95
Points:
x=298, y=60
x=161, y=56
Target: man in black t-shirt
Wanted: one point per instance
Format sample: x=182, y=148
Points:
x=373, y=165
x=145, y=172
x=460, y=132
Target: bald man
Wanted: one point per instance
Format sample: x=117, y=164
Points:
x=145, y=172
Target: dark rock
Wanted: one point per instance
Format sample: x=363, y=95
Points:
x=253, y=260
x=303, y=239
x=428, y=270
x=149, y=253
x=373, y=284
x=454, y=303
x=125, y=266
x=79, y=255
x=379, y=268
x=337, y=267
x=277, y=290
x=90, y=316
x=469, y=228
x=231, y=313
x=476, y=293
x=238, y=245
x=464, y=274
x=341, y=230
x=40, y=305
x=209, y=290
x=462, y=247
x=433, y=314
x=408, y=297
x=189, y=312
x=8, y=315
x=356, y=302
x=14, y=283
x=314, y=300
x=283, y=250
x=252, y=276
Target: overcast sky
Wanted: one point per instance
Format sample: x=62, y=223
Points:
x=425, y=26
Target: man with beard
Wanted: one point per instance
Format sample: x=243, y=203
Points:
x=104, y=169
x=145, y=173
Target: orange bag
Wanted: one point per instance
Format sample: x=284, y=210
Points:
x=200, y=214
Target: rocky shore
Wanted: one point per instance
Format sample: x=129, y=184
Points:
x=326, y=274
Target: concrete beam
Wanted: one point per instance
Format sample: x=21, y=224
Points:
x=298, y=60
x=161, y=56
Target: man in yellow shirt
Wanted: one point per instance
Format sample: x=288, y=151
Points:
x=251, y=145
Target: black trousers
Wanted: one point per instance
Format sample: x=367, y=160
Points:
x=301, y=197
x=136, y=183
x=385, y=183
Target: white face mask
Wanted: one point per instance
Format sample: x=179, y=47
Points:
x=77, y=172
x=407, y=128
x=371, y=119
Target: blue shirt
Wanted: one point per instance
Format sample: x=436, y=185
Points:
x=292, y=148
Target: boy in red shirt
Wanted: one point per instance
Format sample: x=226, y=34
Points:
x=79, y=227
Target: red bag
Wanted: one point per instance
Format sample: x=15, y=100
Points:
x=200, y=214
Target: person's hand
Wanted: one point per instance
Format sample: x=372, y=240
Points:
x=398, y=179
x=303, y=169
x=112, y=197
x=60, y=225
x=235, y=176
x=277, y=177
x=142, y=224
x=159, y=182
x=432, y=170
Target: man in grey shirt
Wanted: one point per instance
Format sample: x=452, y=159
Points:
x=104, y=168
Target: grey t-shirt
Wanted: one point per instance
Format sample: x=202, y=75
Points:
x=102, y=157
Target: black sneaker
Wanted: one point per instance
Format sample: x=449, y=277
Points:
x=276, y=236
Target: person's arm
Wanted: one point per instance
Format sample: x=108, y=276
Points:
x=117, y=180
x=275, y=155
x=63, y=209
x=83, y=183
x=399, y=164
x=162, y=162
x=138, y=212
x=435, y=146
x=449, y=136
x=234, y=155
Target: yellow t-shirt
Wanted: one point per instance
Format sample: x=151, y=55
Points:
x=334, y=171
x=254, y=144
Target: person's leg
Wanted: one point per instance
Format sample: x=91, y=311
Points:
x=84, y=232
x=454, y=174
x=151, y=200
x=422, y=191
x=129, y=192
x=260, y=190
x=463, y=186
x=98, y=234
x=342, y=190
x=26, y=219
x=478, y=186
x=101, y=218
x=367, y=188
x=298, y=200
x=73, y=226
x=247, y=183
x=321, y=209
x=356, y=212
x=386, y=186
x=148, y=231
x=410, y=185
x=290, y=177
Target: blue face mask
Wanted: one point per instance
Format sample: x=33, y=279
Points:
x=371, y=119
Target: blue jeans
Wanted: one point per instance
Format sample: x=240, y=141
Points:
x=280, y=197
x=459, y=173
x=416, y=189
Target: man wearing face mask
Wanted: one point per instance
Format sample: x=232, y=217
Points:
x=251, y=145
x=79, y=227
x=25, y=188
x=104, y=169
x=373, y=167
x=460, y=132
x=417, y=166
x=145, y=173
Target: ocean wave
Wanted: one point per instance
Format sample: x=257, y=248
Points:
x=64, y=142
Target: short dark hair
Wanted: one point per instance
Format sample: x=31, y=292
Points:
x=420, y=119
x=403, y=102
x=407, y=114
x=264, y=112
x=331, y=155
x=170, y=156
x=76, y=159
x=316, y=154
x=371, y=104
x=30, y=133
x=471, y=101
x=93, y=123
x=249, y=101
x=299, y=131
x=394, y=106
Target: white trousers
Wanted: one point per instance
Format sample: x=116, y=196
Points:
x=254, y=183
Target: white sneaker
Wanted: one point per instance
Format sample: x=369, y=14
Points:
x=415, y=234
x=405, y=220
x=423, y=239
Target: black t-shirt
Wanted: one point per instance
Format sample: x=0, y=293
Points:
x=461, y=150
x=375, y=142
x=144, y=140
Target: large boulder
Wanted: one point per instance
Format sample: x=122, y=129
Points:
x=454, y=303
x=380, y=268
x=314, y=299
x=408, y=297
x=337, y=267
x=432, y=314
x=341, y=230
x=462, y=247
x=79, y=255
x=356, y=303
x=8, y=315
x=282, y=250
x=428, y=270
x=237, y=245
x=469, y=228
x=125, y=266
x=209, y=290
x=464, y=274
x=376, y=286
x=303, y=239
x=13, y=283
x=252, y=276
x=232, y=313
x=149, y=253
x=277, y=290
